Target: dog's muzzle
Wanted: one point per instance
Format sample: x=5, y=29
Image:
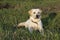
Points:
x=37, y=16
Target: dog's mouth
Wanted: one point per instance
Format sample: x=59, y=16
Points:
x=37, y=16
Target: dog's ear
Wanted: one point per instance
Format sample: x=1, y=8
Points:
x=30, y=11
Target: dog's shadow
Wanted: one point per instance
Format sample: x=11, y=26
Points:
x=50, y=17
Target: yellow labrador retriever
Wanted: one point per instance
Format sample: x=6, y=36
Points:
x=34, y=22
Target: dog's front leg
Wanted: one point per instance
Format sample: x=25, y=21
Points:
x=30, y=29
x=40, y=27
x=21, y=24
x=41, y=30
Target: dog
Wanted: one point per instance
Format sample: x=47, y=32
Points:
x=34, y=22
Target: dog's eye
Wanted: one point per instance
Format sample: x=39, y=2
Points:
x=34, y=12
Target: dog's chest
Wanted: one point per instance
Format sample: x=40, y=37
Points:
x=34, y=25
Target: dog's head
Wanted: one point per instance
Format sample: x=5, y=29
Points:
x=35, y=13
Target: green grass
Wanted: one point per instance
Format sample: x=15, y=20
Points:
x=9, y=18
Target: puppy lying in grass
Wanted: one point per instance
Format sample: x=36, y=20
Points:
x=34, y=22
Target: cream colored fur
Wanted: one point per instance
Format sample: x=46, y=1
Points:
x=34, y=22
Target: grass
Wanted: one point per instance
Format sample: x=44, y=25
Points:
x=10, y=17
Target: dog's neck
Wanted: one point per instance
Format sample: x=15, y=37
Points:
x=34, y=20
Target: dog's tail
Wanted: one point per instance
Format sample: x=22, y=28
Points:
x=21, y=24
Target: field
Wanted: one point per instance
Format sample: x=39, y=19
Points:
x=13, y=12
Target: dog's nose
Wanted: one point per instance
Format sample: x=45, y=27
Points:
x=37, y=16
